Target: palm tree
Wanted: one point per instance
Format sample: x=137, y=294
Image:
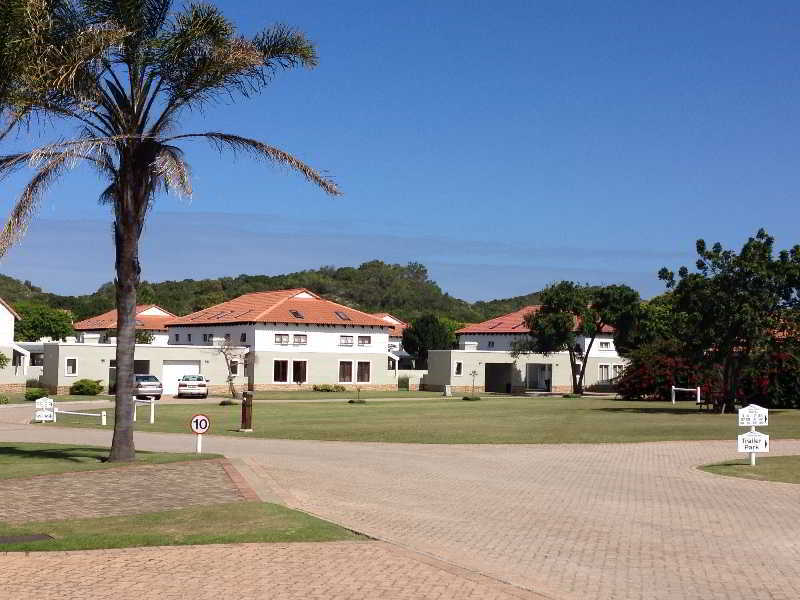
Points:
x=128, y=104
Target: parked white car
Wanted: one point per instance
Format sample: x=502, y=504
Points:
x=192, y=385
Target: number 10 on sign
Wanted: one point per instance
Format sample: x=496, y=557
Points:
x=200, y=424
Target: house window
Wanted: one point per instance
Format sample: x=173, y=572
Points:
x=177, y=337
x=363, y=372
x=300, y=339
x=297, y=314
x=299, y=371
x=282, y=338
x=234, y=367
x=243, y=338
x=490, y=345
x=208, y=337
x=345, y=340
x=345, y=372
x=364, y=340
x=189, y=337
x=459, y=368
x=605, y=372
x=392, y=364
x=227, y=337
x=605, y=345
x=617, y=370
x=343, y=315
x=71, y=367
x=280, y=373
x=37, y=359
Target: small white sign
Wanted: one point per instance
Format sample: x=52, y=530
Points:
x=753, y=415
x=752, y=441
x=200, y=424
x=45, y=410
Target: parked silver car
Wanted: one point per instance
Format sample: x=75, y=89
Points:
x=147, y=386
x=192, y=385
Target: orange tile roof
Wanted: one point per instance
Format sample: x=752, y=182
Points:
x=511, y=323
x=397, y=328
x=277, y=307
x=109, y=320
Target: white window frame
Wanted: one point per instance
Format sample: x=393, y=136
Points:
x=607, y=345
x=342, y=341
x=600, y=372
x=295, y=337
x=368, y=339
x=235, y=367
x=353, y=374
x=288, y=373
x=66, y=363
x=302, y=360
x=455, y=368
x=616, y=370
x=279, y=337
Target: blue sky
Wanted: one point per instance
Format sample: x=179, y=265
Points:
x=504, y=145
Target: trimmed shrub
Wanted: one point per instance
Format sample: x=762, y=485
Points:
x=402, y=382
x=356, y=401
x=86, y=387
x=32, y=383
x=4, y=400
x=228, y=402
x=32, y=394
x=471, y=398
x=570, y=395
x=326, y=387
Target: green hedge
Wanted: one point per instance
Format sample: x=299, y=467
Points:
x=86, y=387
x=35, y=393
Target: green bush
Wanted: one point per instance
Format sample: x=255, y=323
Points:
x=471, y=398
x=32, y=383
x=326, y=387
x=86, y=387
x=402, y=382
x=570, y=395
x=4, y=400
x=35, y=393
x=228, y=402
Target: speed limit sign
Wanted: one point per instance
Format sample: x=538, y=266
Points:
x=200, y=424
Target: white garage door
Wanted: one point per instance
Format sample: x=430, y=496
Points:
x=175, y=369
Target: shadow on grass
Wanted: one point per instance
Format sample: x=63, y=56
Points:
x=646, y=410
x=71, y=454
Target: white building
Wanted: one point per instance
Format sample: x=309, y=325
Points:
x=101, y=329
x=484, y=360
x=296, y=339
x=14, y=374
x=395, y=334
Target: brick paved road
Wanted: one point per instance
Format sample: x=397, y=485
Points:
x=573, y=522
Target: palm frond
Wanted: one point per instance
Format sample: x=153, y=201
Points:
x=236, y=144
x=28, y=202
x=173, y=171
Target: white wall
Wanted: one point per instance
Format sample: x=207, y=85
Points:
x=6, y=326
x=597, y=351
x=261, y=337
x=502, y=341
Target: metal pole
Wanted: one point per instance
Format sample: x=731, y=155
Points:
x=753, y=454
x=199, y=443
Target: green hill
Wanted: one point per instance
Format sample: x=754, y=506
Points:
x=375, y=286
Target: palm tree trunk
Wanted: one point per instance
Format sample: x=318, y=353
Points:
x=126, y=238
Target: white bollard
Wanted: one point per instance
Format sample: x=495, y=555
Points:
x=753, y=454
x=698, y=394
x=55, y=414
x=152, y=411
x=199, y=443
x=673, y=394
x=134, y=412
x=103, y=418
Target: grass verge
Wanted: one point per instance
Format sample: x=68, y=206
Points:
x=19, y=398
x=238, y=522
x=365, y=394
x=769, y=468
x=19, y=459
x=497, y=420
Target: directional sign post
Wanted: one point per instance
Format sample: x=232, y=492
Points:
x=753, y=441
x=200, y=424
x=45, y=410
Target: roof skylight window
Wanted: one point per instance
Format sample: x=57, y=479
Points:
x=342, y=315
x=297, y=314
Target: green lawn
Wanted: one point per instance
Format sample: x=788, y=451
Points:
x=237, y=522
x=19, y=398
x=365, y=394
x=768, y=468
x=502, y=420
x=19, y=459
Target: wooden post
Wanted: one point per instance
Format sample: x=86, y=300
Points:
x=247, y=412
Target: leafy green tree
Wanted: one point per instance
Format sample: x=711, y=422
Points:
x=734, y=306
x=427, y=333
x=571, y=313
x=128, y=105
x=38, y=321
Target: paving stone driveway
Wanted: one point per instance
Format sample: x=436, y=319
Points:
x=614, y=521
x=121, y=491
